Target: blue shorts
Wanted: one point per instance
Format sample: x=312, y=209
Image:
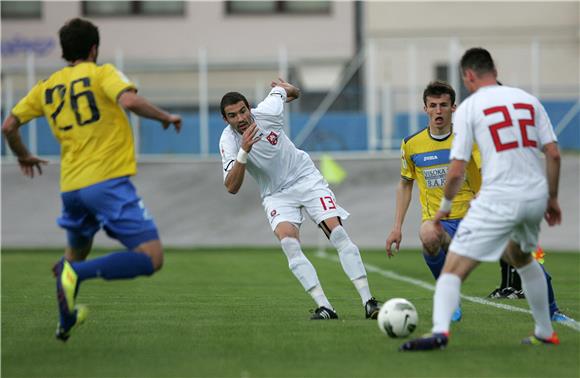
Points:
x=450, y=226
x=113, y=205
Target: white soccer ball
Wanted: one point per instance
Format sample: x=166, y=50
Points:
x=398, y=317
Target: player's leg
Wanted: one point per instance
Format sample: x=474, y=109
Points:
x=435, y=241
x=535, y=287
x=351, y=261
x=115, y=204
x=445, y=301
x=518, y=253
x=81, y=226
x=303, y=269
x=481, y=236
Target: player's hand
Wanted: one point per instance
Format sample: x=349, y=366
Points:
x=250, y=137
x=553, y=214
x=394, y=237
x=174, y=120
x=440, y=215
x=292, y=92
x=28, y=163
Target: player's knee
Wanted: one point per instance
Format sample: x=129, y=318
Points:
x=154, y=250
x=291, y=248
x=430, y=237
x=339, y=238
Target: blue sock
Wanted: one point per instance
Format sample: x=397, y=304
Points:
x=435, y=263
x=115, y=266
x=551, y=296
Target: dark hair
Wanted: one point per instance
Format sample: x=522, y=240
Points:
x=232, y=98
x=479, y=60
x=437, y=88
x=77, y=37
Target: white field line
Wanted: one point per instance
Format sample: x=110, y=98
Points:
x=395, y=276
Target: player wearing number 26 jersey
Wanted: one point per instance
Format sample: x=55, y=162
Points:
x=80, y=104
x=85, y=106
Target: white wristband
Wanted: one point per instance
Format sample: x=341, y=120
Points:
x=445, y=205
x=242, y=156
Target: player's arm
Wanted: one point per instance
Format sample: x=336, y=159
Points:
x=404, y=194
x=454, y=180
x=139, y=105
x=235, y=176
x=292, y=92
x=553, y=213
x=27, y=161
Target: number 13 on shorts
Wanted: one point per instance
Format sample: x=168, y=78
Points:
x=327, y=203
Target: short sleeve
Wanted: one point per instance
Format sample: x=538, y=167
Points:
x=407, y=166
x=114, y=82
x=462, y=146
x=544, y=126
x=272, y=108
x=228, y=151
x=30, y=106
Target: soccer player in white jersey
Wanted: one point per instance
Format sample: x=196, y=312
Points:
x=511, y=128
x=254, y=141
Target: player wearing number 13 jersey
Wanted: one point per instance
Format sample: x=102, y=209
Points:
x=511, y=128
x=85, y=106
x=254, y=140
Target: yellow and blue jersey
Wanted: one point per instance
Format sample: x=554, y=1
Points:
x=80, y=104
x=426, y=160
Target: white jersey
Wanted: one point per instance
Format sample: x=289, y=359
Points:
x=274, y=161
x=510, y=127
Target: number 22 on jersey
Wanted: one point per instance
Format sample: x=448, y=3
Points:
x=507, y=122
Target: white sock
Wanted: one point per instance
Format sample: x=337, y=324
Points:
x=319, y=297
x=351, y=261
x=300, y=266
x=535, y=289
x=445, y=301
x=362, y=286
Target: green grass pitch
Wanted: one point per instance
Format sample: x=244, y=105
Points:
x=239, y=312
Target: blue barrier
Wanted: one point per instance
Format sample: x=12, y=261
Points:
x=336, y=131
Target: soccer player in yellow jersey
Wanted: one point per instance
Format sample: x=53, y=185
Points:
x=425, y=159
x=85, y=105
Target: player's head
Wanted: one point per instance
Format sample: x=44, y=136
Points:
x=438, y=88
x=476, y=65
x=439, y=101
x=79, y=40
x=236, y=111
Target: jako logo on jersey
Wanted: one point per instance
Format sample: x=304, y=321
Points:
x=273, y=213
x=272, y=138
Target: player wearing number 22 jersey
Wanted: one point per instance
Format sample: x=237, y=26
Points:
x=85, y=106
x=511, y=129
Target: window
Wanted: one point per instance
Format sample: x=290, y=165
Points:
x=277, y=7
x=442, y=73
x=21, y=9
x=133, y=8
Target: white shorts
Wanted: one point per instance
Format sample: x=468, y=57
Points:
x=311, y=194
x=488, y=226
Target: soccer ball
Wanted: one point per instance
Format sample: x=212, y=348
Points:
x=398, y=317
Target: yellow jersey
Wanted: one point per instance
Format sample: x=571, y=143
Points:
x=80, y=104
x=426, y=160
